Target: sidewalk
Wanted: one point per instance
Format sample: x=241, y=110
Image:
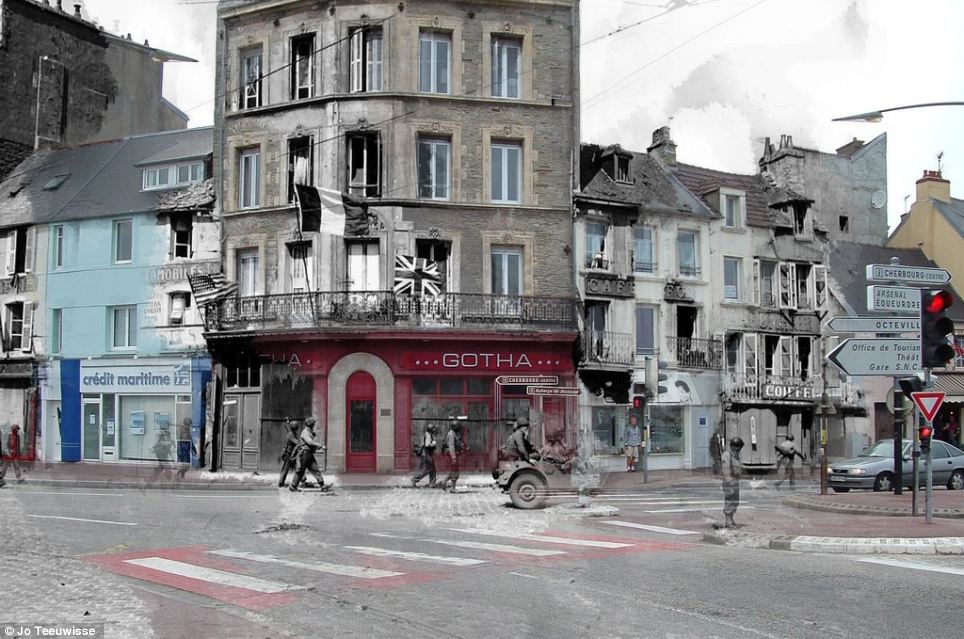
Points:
x=855, y=522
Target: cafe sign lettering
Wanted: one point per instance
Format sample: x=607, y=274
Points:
x=484, y=361
x=609, y=285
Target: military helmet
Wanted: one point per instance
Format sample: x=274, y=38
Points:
x=736, y=442
x=790, y=437
x=431, y=428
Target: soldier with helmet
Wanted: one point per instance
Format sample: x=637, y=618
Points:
x=305, y=453
x=732, y=468
x=454, y=447
x=426, y=457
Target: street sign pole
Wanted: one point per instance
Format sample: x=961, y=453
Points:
x=928, y=496
x=898, y=439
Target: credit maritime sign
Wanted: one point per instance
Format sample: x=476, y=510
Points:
x=136, y=379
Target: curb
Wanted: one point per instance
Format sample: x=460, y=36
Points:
x=808, y=503
x=214, y=485
x=848, y=545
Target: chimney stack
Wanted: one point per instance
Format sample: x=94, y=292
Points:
x=77, y=10
x=663, y=147
x=932, y=185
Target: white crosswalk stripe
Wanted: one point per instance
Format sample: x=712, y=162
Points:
x=592, y=543
x=317, y=566
x=212, y=575
x=477, y=545
x=910, y=564
x=415, y=556
x=656, y=529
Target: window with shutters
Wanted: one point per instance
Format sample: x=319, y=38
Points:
x=18, y=326
x=366, y=60
x=178, y=302
x=301, y=163
x=765, y=283
x=364, y=164
x=804, y=283
x=182, y=229
x=787, y=285
x=819, y=287
x=303, y=66
x=17, y=245
x=300, y=267
x=363, y=266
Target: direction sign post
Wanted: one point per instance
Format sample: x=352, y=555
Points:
x=558, y=391
x=909, y=274
x=876, y=356
x=858, y=324
x=893, y=298
x=524, y=380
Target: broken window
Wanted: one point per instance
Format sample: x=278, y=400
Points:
x=179, y=302
x=366, y=60
x=436, y=251
x=733, y=343
x=250, y=88
x=844, y=222
x=364, y=164
x=18, y=326
x=622, y=168
x=17, y=245
x=302, y=66
x=802, y=273
x=804, y=358
x=182, y=227
x=800, y=221
x=301, y=162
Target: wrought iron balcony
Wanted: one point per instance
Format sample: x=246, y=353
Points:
x=697, y=353
x=776, y=388
x=606, y=347
x=374, y=309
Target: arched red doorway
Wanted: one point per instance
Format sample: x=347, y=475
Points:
x=360, y=411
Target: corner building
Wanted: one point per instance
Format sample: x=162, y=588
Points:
x=451, y=127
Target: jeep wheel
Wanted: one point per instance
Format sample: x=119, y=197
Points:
x=527, y=492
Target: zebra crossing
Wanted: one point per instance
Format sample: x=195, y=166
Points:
x=258, y=581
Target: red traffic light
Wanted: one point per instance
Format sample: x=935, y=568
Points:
x=937, y=301
x=925, y=432
x=637, y=402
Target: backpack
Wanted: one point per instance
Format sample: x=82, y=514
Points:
x=416, y=447
x=459, y=444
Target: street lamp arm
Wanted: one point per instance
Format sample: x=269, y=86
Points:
x=877, y=116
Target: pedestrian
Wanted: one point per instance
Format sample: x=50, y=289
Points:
x=518, y=446
x=289, y=461
x=426, y=457
x=454, y=447
x=308, y=444
x=13, y=453
x=732, y=472
x=950, y=430
x=632, y=438
x=786, y=451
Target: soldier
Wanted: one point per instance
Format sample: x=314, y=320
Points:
x=426, y=457
x=518, y=445
x=307, y=446
x=13, y=450
x=787, y=451
x=289, y=461
x=454, y=447
x=732, y=472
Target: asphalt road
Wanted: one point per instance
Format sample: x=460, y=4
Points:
x=402, y=563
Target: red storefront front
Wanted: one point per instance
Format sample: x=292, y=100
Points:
x=373, y=392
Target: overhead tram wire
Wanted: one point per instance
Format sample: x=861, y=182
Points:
x=593, y=100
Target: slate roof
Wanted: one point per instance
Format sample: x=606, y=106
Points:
x=96, y=180
x=650, y=188
x=953, y=211
x=702, y=182
x=12, y=154
x=848, y=263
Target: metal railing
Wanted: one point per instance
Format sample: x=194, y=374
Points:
x=606, y=347
x=741, y=386
x=356, y=309
x=696, y=353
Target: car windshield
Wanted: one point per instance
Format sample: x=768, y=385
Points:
x=883, y=448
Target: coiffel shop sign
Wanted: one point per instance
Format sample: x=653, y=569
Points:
x=136, y=379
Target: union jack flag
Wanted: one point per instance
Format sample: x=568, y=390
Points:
x=416, y=276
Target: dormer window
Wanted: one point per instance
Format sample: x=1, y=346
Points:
x=171, y=176
x=732, y=206
x=801, y=221
x=622, y=168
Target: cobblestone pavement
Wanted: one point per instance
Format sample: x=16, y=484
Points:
x=43, y=584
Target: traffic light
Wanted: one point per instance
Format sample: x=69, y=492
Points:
x=924, y=433
x=636, y=411
x=910, y=385
x=654, y=377
x=935, y=326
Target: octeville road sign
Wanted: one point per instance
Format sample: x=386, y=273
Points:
x=909, y=274
x=874, y=324
x=876, y=356
x=893, y=298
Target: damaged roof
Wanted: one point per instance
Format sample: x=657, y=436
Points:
x=650, y=187
x=848, y=267
x=101, y=179
x=703, y=182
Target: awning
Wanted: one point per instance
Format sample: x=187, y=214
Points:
x=952, y=385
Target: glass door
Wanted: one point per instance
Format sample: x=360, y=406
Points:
x=92, y=429
x=360, y=453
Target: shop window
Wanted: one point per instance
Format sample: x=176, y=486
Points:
x=182, y=228
x=608, y=423
x=365, y=59
x=302, y=66
x=666, y=429
x=364, y=164
x=436, y=401
x=146, y=429
x=301, y=161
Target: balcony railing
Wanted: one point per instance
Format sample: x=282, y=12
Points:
x=697, y=353
x=362, y=309
x=606, y=347
x=741, y=386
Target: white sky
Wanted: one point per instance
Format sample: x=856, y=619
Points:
x=722, y=73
